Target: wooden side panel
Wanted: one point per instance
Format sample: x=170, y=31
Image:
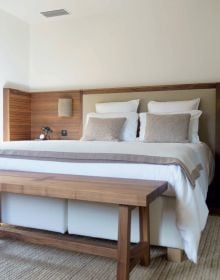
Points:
x=44, y=112
x=217, y=140
x=17, y=115
x=213, y=199
x=6, y=124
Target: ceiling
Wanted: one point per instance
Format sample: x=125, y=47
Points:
x=29, y=10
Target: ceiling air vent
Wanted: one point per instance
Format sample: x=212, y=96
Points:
x=55, y=13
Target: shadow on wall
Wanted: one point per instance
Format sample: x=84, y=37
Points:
x=15, y=86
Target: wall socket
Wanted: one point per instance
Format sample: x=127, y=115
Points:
x=63, y=132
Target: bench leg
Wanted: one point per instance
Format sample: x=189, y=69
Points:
x=124, y=232
x=144, y=234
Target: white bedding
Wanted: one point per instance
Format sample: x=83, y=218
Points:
x=191, y=210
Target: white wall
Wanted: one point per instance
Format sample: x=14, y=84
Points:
x=14, y=56
x=143, y=42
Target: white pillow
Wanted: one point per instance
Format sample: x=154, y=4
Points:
x=193, y=125
x=173, y=106
x=117, y=107
x=129, y=130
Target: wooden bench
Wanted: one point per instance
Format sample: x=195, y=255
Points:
x=126, y=193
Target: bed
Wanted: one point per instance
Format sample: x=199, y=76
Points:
x=177, y=218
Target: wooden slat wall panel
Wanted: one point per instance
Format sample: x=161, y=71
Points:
x=6, y=125
x=17, y=115
x=44, y=112
x=26, y=113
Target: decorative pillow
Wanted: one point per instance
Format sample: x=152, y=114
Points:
x=117, y=107
x=167, y=128
x=100, y=129
x=173, y=106
x=193, y=125
x=129, y=129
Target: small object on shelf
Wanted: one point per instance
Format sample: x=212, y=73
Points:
x=42, y=136
x=46, y=131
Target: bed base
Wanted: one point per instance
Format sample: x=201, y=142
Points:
x=175, y=255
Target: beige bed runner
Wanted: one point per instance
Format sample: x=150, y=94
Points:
x=100, y=157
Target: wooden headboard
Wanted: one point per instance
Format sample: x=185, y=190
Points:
x=207, y=105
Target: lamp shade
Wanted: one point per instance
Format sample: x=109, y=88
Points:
x=65, y=107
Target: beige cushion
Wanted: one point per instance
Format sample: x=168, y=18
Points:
x=167, y=128
x=129, y=130
x=99, y=129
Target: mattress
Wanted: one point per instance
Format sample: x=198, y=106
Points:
x=190, y=209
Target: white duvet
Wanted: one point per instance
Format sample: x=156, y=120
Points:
x=191, y=209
